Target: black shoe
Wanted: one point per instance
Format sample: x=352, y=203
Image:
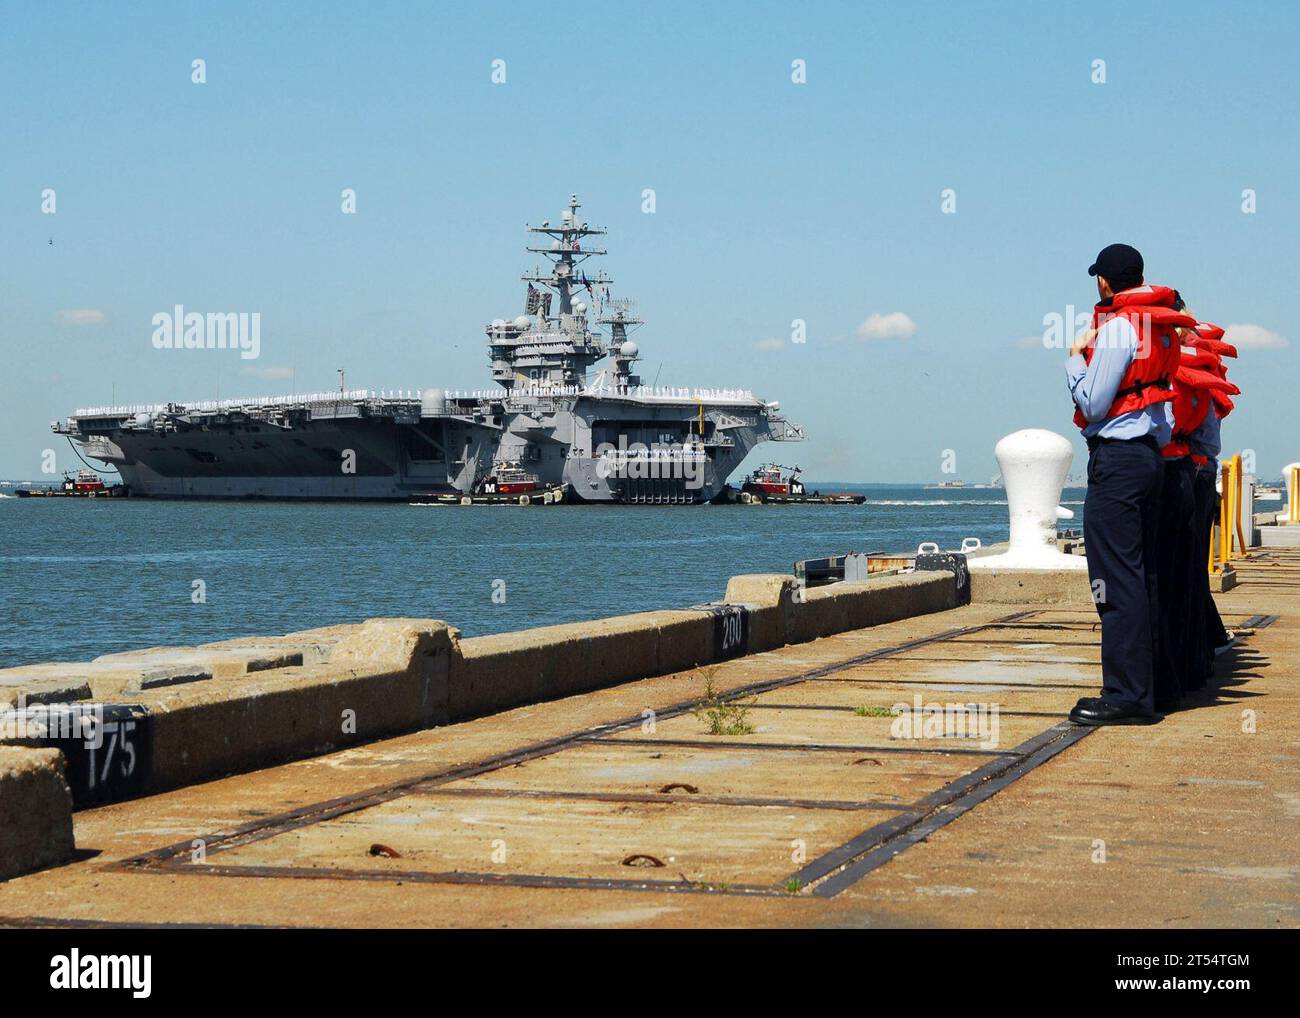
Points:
x=1228, y=645
x=1167, y=706
x=1090, y=711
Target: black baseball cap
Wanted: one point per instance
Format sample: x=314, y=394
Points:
x=1120, y=264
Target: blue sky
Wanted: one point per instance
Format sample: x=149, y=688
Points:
x=775, y=201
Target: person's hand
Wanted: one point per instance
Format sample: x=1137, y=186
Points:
x=1082, y=340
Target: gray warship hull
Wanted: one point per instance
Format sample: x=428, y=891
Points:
x=607, y=439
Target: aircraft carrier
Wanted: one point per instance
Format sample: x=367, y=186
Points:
x=607, y=438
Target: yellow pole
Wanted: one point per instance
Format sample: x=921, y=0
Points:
x=1236, y=504
x=1230, y=495
x=1295, y=495
x=1225, y=495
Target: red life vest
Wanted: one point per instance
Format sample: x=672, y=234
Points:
x=1211, y=337
x=1201, y=380
x=1149, y=378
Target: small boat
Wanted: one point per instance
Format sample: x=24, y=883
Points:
x=85, y=484
x=769, y=486
x=509, y=479
x=768, y=480
x=508, y=484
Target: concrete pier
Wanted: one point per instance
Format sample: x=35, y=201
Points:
x=558, y=786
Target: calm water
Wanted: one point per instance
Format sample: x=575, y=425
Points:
x=81, y=577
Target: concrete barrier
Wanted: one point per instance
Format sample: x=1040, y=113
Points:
x=387, y=677
x=1224, y=580
x=769, y=598
x=1030, y=586
x=52, y=683
x=1280, y=534
x=495, y=673
x=35, y=811
x=777, y=617
x=383, y=677
x=841, y=607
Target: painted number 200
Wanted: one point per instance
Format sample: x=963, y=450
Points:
x=732, y=631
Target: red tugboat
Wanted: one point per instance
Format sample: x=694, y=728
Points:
x=508, y=484
x=768, y=485
x=510, y=479
x=768, y=480
x=86, y=484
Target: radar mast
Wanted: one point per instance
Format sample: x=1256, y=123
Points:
x=567, y=253
x=621, y=317
x=537, y=349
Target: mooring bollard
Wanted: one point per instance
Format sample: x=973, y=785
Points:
x=1034, y=466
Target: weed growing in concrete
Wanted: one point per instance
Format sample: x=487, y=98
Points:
x=875, y=712
x=719, y=716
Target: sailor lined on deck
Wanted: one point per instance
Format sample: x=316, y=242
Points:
x=1205, y=443
x=1120, y=375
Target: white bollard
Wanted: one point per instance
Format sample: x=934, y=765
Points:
x=1034, y=466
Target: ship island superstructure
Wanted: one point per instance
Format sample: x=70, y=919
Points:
x=608, y=438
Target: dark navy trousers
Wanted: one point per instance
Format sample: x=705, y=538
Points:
x=1121, y=515
x=1181, y=621
x=1207, y=511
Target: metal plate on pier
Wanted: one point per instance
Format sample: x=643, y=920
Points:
x=108, y=748
x=730, y=629
x=947, y=561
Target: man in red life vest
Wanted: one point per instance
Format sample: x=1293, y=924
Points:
x=1120, y=374
x=1207, y=399
x=1182, y=652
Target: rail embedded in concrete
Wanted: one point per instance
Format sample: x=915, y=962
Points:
x=227, y=854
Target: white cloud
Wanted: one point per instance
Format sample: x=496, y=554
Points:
x=80, y=316
x=776, y=343
x=895, y=325
x=269, y=373
x=1254, y=337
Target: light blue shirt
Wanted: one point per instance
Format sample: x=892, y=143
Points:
x=1207, y=440
x=1093, y=387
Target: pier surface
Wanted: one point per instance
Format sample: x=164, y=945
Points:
x=618, y=808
